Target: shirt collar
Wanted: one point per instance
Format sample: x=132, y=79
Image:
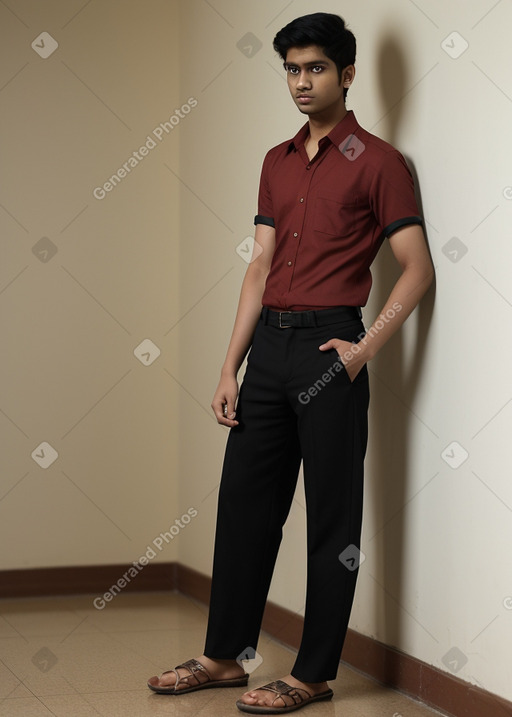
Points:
x=339, y=132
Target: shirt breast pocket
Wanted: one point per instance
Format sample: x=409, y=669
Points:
x=334, y=216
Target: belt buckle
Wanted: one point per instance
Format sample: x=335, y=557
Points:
x=280, y=320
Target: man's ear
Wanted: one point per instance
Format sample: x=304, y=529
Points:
x=347, y=75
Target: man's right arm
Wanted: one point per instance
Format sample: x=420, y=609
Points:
x=248, y=313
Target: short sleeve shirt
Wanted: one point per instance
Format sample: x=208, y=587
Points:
x=331, y=215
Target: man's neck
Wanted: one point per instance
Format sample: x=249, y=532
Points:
x=321, y=126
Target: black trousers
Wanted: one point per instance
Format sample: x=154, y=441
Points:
x=295, y=403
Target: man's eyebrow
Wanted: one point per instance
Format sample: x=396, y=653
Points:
x=306, y=64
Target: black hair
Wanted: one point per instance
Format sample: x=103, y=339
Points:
x=324, y=29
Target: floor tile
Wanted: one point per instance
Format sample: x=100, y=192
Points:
x=64, y=657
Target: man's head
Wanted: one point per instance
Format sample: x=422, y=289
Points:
x=319, y=36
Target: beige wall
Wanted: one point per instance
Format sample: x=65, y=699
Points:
x=157, y=258
x=71, y=321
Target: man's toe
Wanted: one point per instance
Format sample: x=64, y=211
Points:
x=250, y=698
x=258, y=697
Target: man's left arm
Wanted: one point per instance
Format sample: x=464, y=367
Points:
x=410, y=249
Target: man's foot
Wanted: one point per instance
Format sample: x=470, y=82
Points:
x=270, y=699
x=217, y=670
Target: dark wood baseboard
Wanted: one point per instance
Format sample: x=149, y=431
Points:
x=40, y=582
x=387, y=665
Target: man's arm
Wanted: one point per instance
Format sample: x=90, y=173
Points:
x=410, y=249
x=249, y=309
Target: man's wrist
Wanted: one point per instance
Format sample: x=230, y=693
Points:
x=364, y=350
x=228, y=370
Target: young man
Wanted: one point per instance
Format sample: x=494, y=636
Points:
x=327, y=200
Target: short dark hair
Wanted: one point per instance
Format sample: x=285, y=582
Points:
x=324, y=29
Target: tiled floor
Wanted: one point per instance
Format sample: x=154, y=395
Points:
x=63, y=657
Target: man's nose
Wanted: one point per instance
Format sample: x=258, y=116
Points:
x=303, y=80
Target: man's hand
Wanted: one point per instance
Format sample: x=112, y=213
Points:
x=351, y=355
x=226, y=395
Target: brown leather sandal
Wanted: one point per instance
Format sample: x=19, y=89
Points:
x=284, y=690
x=200, y=674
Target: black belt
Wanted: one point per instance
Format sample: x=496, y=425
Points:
x=317, y=317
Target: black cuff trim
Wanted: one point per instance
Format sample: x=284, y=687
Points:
x=260, y=219
x=401, y=223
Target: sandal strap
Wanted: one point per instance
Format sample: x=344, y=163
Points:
x=280, y=687
x=193, y=666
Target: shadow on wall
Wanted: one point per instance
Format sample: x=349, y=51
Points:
x=394, y=382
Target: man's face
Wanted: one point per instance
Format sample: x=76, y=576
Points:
x=313, y=80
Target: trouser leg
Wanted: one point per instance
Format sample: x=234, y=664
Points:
x=258, y=482
x=333, y=436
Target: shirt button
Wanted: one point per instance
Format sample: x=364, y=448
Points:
x=301, y=199
x=295, y=234
x=308, y=167
x=289, y=263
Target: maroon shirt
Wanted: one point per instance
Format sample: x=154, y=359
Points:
x=331, y=215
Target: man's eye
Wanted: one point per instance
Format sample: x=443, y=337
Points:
x=292, y=70
x=317, y=67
